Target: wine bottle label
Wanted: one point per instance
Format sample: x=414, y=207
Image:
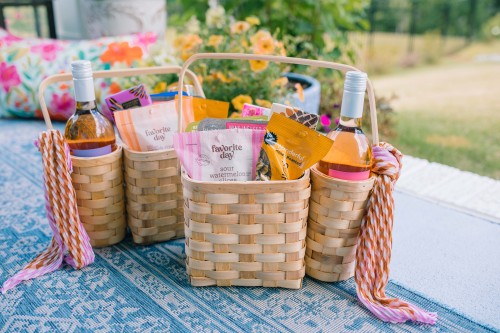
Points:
x=92, y=152
x=361, y=175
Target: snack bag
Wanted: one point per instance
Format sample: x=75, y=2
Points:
x=148, y=128
x=250, y=110
x=221, y=155
x=210, y=124
x=308, y=119
x=197, y=108
x=289, y=148
x=130, y=98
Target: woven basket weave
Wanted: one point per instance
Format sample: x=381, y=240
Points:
x=246, y=233
x=336, y=210
x=98, y=182
x=154, y=196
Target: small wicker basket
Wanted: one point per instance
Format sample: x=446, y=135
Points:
x=154, y=196
x=336, y=209
x=246, y=233
x=98, y=183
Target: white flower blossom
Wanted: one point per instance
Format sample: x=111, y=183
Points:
x=215, y=16
x=193, y=25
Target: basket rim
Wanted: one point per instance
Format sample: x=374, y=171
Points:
x=117, y=151
x=305, y=177
x=130, y=151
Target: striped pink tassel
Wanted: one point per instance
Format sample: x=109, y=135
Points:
x=60, y=202
x=373, y=253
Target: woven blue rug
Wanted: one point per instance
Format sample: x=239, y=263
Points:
x=133, y=288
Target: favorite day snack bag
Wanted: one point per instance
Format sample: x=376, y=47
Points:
x=289, y=148
x=148, y=128
x=220, y=155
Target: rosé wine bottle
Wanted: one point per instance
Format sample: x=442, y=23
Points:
x=350, y=157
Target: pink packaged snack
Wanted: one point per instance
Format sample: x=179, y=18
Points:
x=219, y=155
x=250, y=110
x=130, y=98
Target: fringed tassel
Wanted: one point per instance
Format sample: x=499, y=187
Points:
x=373, y=253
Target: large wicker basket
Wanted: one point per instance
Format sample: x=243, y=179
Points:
x=249, y=233
x=252, y=233
x=246, y=233
x=154, y=196
x=98, y=183
x=336, y=209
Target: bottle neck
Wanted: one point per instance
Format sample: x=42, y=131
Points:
x=85, y=106
x=349, y=122
x=352, y=104
x=84, y=90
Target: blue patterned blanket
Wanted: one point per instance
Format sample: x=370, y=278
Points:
x=133, y=288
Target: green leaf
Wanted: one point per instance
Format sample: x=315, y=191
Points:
x=336, y=52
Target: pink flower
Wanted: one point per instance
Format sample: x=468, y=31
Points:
x=145, y=39
x=62, y=106
x=325, y=120
x=8, y=76
x=47, y=50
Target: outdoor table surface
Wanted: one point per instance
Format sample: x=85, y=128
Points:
x=445, y=254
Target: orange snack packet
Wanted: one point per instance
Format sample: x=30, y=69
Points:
x=289, y=148
x=197, y=108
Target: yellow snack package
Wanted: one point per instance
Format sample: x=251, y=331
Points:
x=197, y=108
x=289, y=148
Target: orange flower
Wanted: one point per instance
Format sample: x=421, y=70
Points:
x=214, y=40
x=185, y=55
x=239, y=27
x=260, y=34
x=221, y=77
x=160, y=87
x=264, y=103
x=253, y=20
x=121, y=52
x=114, y=88
x=258, y=65
x=240, y=100
x=300, y=91
x=262, y=42
x=281, y=48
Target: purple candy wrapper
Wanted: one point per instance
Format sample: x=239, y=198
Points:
x=128, y=99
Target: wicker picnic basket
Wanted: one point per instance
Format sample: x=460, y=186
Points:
x=247, y=233
x=336, y=209
x=154, y=196
x=153, y=187
x=99, y=182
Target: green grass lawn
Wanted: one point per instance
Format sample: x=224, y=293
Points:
x=463, y=142
x=449, y=112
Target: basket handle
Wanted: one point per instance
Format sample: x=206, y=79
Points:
x=287, y=60
x=112, y=74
